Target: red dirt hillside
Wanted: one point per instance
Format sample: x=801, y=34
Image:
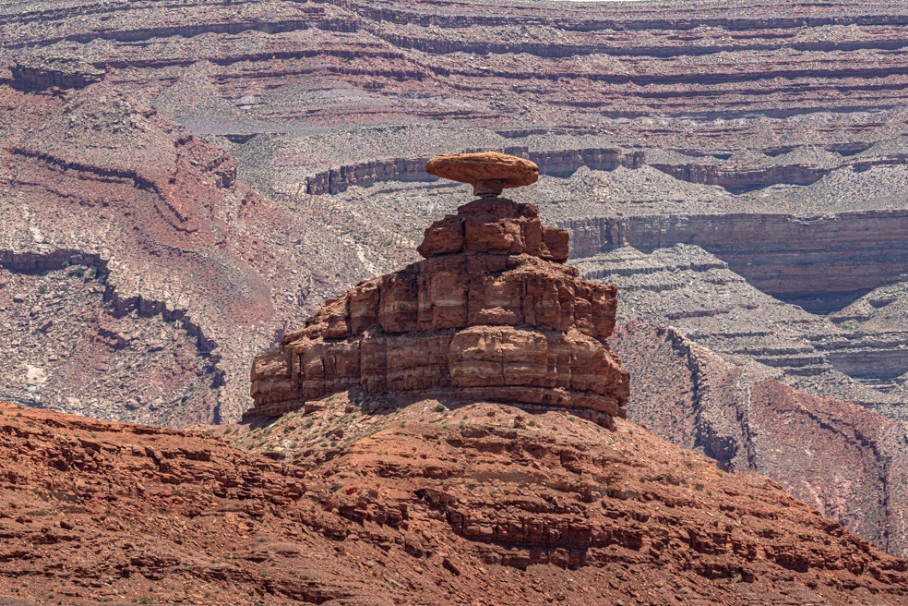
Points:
x=480, y=505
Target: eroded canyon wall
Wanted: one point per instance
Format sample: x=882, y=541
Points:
x=821, y=263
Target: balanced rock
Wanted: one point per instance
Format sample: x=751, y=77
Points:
x=492, y=313
x=488, y=172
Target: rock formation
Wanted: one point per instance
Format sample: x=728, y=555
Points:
x=488, y=172
x=847, y=462
x=39, y=73
x=798, y=110
x=95, y=186
x=535, y=67
x=819, y=261
x=492, y=313
x=478, y=505
x=362, y=89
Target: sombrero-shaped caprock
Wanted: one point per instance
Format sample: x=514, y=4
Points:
x=488, y=172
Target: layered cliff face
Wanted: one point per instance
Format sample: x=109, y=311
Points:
x=777, y=114
x=814, y=402
x=479, y=505
x=784, y=109
x=71, y=341
x=190, y=263
x=821, y=262
x=577, y=66
x=38, y=74
x=767, y=76
x=837, y=355
x=491, y=313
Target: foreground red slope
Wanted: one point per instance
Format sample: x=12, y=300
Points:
x=842, y=459
x=481, y=505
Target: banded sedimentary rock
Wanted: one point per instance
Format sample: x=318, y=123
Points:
x=37, y=74
x=491, y=313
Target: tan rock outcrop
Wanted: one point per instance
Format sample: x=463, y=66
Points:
x=491, y=313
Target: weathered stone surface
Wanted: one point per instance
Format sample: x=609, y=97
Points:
x=847, y=462
x=40, y=73
x=120, y=194
x=488, y=314
x=497, y=226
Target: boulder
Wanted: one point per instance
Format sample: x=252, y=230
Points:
x=488, y=172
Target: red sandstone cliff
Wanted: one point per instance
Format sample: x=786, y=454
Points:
x=491, y=313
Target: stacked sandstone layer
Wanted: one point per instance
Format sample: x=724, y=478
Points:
x=492, y=313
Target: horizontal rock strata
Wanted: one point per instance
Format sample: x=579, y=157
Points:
x=36, y=74
x=821, y=262
x=427, y=512
x=616, y=62
x=556, y=163
x=491, y=313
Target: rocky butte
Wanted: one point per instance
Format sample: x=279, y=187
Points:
x=453, y=495
x=492, y=313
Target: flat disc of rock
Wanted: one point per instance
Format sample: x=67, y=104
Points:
x=487, y=172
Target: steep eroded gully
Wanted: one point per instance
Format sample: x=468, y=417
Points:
x=840, y=458
x=115, y=357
